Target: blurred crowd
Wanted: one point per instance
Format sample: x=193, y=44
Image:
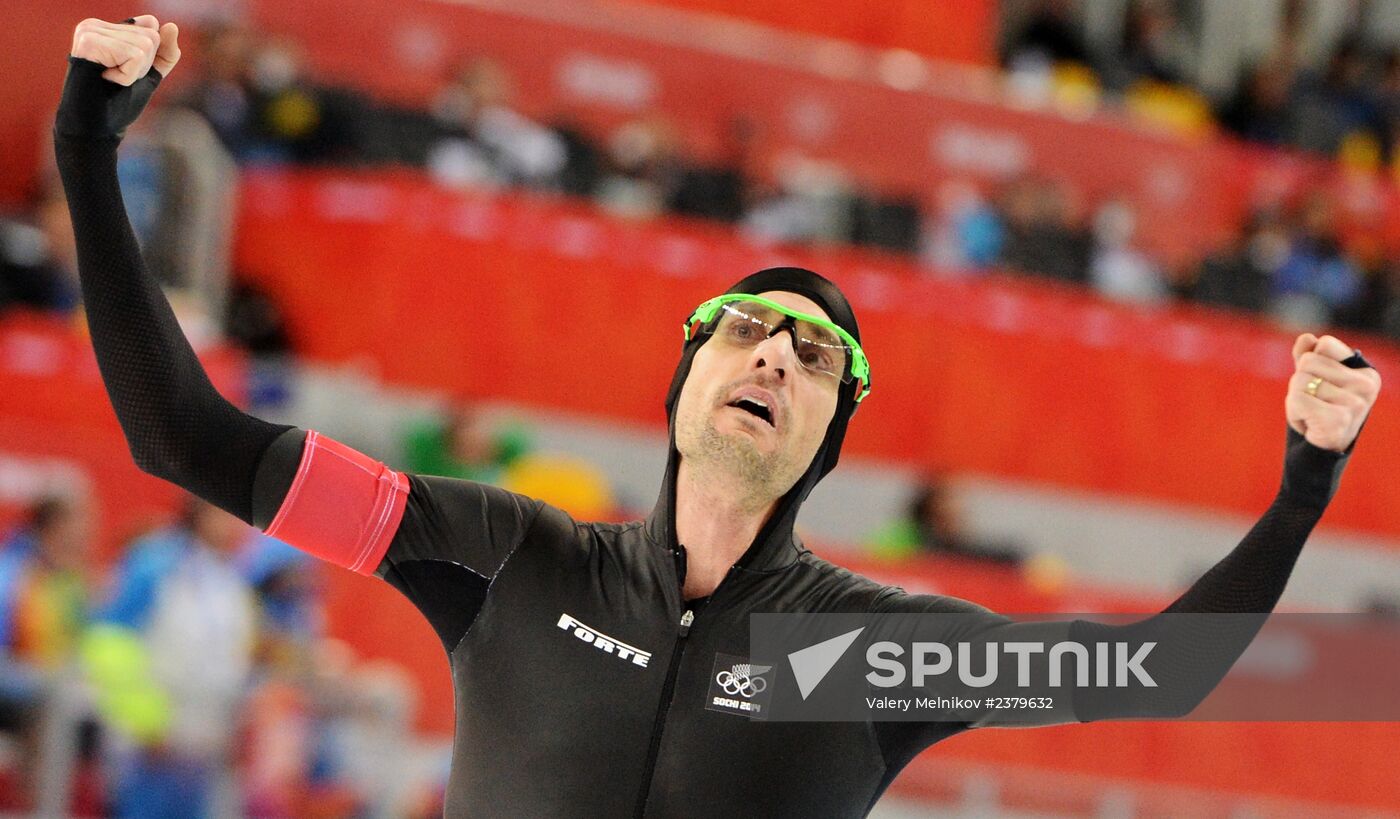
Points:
x=251, y=99
x=191, y=679
x=1342, y=99
x=1295, y=259
x=192, y=675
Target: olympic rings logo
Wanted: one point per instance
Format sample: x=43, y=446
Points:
x=740, y=684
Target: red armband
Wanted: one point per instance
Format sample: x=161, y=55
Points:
x=343, y=506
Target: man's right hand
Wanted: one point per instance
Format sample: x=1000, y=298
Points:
x=128, y=50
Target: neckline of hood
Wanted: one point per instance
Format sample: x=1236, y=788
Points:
x=775, y=548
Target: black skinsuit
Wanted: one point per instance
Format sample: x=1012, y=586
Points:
x=548, y=724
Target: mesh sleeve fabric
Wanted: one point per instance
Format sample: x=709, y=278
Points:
x=1252, y=577
x=1193, y=651
x=1194, y=654
x=177, y=426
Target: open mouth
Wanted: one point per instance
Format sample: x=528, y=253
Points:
x=754, y=407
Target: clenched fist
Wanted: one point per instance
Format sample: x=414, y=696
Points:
x=128, y=50
x=1327, y=401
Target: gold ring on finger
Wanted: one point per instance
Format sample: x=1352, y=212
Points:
x=1313, y=385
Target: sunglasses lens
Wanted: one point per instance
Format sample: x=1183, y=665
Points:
x=818, y=349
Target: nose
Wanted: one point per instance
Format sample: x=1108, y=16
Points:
x=776, y=353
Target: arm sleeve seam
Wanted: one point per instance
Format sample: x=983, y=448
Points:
x=491, y=581
x=385, y=514
x=524, y=533
x=302, y=471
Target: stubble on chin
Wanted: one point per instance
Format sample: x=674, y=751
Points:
x=732, y=454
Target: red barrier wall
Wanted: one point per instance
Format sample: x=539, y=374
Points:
x=961, y=30
x=56, y=424
x=547, y=303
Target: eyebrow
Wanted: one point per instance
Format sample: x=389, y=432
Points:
x=815, y=332
x=822, y=335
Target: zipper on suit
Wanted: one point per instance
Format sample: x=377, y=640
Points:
x=662, y=708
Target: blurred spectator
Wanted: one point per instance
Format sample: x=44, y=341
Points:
x=42, y=590
x=43, y=611
x=297, y=121
x=572, y=484
x=255, y=322
x=255, y=95
x=812, y=204
x=1317, y=280
x=222, y=91
x=1050, y=34
x=464, y=445
x=38, y=259
x=885, y=222
x=718, y=191
x=1388, y=104
x=583, y=159
x=1155, y=47
x=1119, y=270
x=374, y=736
x=644, y=168
x=292, y=764
x=487, y=141
x=179, y=185
x=1042, y=238
x=934, y=524
x=1240, y=275
x=170, y=658
x=1389, y=312
x=1339, y=102
x=1261, y=108
x=284, y=581
x=1377, y=310
x=967, y=233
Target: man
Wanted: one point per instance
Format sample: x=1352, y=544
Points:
x=37, y=260
x=463, y=444
x=43, y=605
x=43, y=611
x=170, y=657
x=582, y=654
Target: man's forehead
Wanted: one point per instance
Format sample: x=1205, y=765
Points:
x=796, y=301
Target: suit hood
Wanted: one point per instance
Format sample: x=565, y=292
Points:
x=776, y=546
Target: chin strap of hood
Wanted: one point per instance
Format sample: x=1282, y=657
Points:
x=768, y=549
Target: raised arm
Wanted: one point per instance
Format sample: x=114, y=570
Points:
x=1328, y=400
x=302, y=487
x=1192, y=654
x=176, y=424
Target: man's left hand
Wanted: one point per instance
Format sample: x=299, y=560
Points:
x=1332, y=416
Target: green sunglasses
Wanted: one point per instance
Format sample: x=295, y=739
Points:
x=814, y=339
